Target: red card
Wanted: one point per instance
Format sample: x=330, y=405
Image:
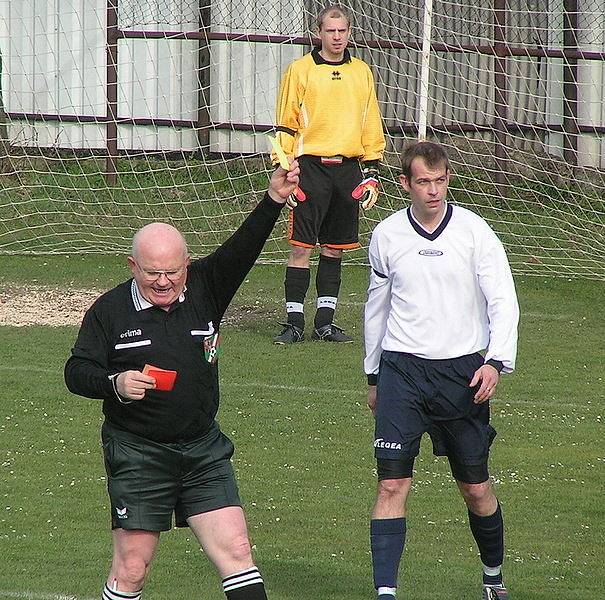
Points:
x=164, y=379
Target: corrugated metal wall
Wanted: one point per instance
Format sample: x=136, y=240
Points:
x=54, y=63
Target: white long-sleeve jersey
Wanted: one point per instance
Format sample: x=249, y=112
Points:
x=440, y=295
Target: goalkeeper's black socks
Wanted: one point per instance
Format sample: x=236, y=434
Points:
x=327, y=282
x=489, y=535
x=387, y=539
x=296, y=285
x=245, y=585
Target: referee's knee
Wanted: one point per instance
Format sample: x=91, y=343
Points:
x=131, y=572
x=239, y=550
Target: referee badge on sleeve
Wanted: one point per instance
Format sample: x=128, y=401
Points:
x=211, y=347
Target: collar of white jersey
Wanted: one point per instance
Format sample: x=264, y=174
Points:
x=139, y=301
x=432, y=235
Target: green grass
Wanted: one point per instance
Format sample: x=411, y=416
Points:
x=304, y=457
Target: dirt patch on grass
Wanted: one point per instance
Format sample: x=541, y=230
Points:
x=39, y=305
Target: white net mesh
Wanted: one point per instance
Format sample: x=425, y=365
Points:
x=519, y=106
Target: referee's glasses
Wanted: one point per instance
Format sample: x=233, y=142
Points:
x=173, y=275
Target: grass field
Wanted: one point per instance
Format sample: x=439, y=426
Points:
x=304, y=457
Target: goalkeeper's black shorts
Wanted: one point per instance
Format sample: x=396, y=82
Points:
x=417, y=396
x=329, y=215
x=149, y=482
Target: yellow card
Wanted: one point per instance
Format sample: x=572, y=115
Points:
x=279, y=151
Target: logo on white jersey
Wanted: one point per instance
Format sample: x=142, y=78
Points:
x=430, y=252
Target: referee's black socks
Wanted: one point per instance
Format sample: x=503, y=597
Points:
x=245, y=585
x=114, y=594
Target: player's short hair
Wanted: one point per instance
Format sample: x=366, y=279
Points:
x=333, y=11
x=431, y=153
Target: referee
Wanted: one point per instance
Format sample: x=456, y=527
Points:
x=440, y=326
x=327, y=117
x=164, y=452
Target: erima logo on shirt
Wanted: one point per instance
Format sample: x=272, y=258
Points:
x=430, y=252
x=380, y=443
x=336, y=75
x=122, y=513
x=130, y=333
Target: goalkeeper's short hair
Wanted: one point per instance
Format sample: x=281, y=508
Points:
x=335, y=11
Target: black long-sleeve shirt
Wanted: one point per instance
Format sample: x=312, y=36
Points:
x=122, y=332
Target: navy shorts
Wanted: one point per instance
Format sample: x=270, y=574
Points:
x=148, y=481
x=417, y=396
x=330, y=215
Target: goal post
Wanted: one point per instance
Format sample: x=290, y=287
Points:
x=120, y=112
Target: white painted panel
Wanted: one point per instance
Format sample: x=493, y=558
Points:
x=54, y=62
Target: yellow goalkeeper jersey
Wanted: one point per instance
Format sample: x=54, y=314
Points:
x=329, y=109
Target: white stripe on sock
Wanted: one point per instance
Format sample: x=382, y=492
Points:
x=242, y=579
x=327, y=302
x=492, y=571
x=109, y=594
x=296, y=307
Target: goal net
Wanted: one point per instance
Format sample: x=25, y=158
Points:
x=114, y=113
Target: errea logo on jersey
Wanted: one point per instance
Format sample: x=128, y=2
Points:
x=380, y=443
x=430, y=252
x=122, y=513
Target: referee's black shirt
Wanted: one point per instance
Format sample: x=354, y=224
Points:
x=119, y=334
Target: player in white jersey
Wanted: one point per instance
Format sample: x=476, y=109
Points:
x=440, y=326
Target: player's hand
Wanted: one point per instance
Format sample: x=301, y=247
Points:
x=284, y=183
x=372, y=398
x=488, y=377
x=133, y=384
x=367, y=191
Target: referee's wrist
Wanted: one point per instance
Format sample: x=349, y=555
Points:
x=114, y=384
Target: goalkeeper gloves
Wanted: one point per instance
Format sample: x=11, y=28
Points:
x=295, y=197
x=367, y=191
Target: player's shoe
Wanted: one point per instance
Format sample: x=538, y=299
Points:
x=494, y=592
x=331, y=333
x=289, y=335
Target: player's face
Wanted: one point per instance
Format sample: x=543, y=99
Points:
x=160, y=278
x=334, y=35
x=427, y=187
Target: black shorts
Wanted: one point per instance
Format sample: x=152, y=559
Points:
x=148, y=481
x=417, y=396
x=330, y=215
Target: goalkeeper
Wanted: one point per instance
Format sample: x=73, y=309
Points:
x=328, y=118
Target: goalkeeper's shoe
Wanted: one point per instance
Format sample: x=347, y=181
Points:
x=289, y=335
x=331, y=333
x=494, y=592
